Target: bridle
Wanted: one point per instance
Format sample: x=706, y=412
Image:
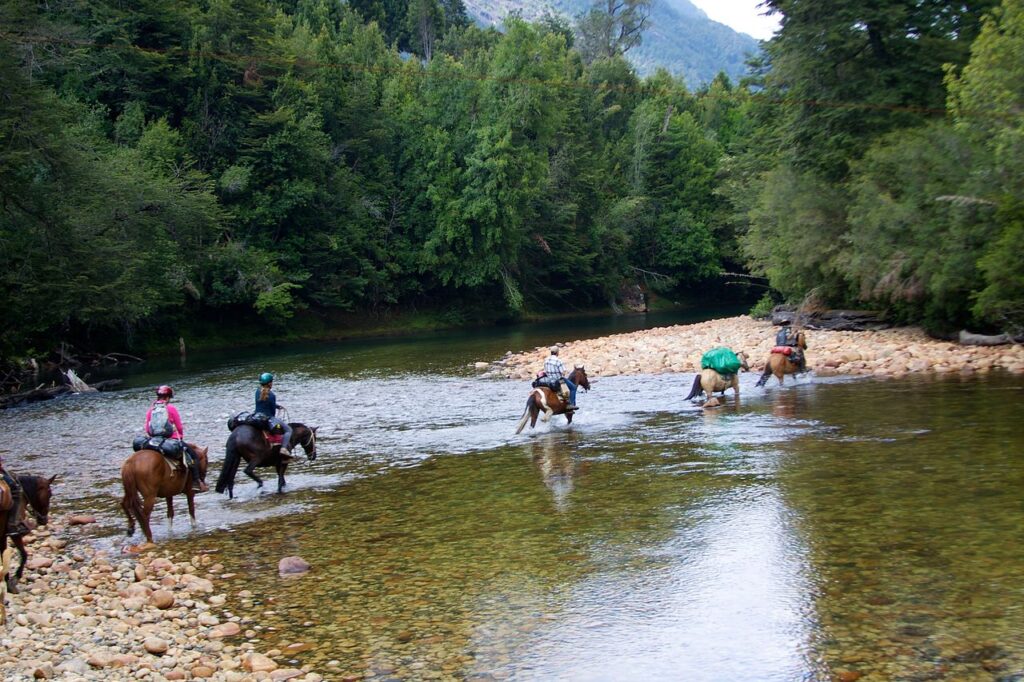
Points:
x=311, y=444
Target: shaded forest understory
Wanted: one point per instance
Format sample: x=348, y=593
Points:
x=166, y=163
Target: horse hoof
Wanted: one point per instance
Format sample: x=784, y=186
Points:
x=12, y=588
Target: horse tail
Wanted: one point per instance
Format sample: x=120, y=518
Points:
x=526, y=414
x=132, y=501
x=695, y=391
x=767, y=373
x=230, y=467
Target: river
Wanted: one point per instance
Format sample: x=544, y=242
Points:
x=829, y=527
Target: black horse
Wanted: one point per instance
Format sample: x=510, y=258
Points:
x=249, y=443
x=36, y=496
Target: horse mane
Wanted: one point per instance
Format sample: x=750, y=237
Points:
x=30, y=484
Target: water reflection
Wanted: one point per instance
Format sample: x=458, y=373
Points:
x=814, y=529
x=556, y=459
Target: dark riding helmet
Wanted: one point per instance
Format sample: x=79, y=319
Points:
x=165, y=392
x=266, y=378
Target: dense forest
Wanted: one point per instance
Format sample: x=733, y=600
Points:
x=164, y=162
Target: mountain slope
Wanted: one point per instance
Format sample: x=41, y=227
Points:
x=680, y=37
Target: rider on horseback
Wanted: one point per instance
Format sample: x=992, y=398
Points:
x=266, y=404
x=163, y=419
x=791, y=338
x=15, y=526
x=554, y=372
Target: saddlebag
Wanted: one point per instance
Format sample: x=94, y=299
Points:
x=168, y=447
x=255, y=419
x=783, y=350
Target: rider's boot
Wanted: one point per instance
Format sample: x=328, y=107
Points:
x=198, y=484
x=285, y=451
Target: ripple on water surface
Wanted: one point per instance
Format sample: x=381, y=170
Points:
x=869, y=527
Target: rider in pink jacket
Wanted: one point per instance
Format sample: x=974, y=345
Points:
x=172, y=416
x=163, y=396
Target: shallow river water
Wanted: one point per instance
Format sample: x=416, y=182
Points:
x=813, y=531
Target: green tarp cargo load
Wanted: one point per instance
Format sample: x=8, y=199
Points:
x=722, y=360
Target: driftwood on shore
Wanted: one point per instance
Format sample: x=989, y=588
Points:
x=833, y=320
x=43, y=392
x=966, y=338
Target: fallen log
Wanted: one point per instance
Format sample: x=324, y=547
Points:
x=834, y=320
x=77, y=384
x=966, y=338
x=41, y=393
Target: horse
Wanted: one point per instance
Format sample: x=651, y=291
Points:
x=780, y=365
x=249, y=443
x=147, y=475
x=543, y=398
x=36, y=494
x=709, y=380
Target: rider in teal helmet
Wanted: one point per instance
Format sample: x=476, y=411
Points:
x=266, y=403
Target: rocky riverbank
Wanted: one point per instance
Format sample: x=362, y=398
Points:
x=887, y=352
x=85, y=614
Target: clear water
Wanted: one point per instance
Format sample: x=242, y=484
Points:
x=820, y=529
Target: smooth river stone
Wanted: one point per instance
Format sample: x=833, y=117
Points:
x=292, y=565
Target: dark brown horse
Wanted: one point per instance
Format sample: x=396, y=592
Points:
x=36, y=493
x=780, y=365
x=543, y=398
x=251, y=444
x=147, y=475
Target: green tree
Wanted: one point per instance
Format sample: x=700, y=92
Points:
x=612, y=28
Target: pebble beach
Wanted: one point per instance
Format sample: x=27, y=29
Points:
x=87, y=614
x=892, y=352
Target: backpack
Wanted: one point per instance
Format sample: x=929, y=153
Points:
x=159, y=421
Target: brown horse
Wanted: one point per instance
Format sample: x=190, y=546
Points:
x=780, y=365
x=709, y=381
x=543, y=398
x=36, y=493
x=249, y=443
x=147, y=475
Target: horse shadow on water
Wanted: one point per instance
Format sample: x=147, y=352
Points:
x=249, y=443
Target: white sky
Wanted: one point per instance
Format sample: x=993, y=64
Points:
x=742, y=15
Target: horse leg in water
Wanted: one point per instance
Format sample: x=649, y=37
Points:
x=148, y=502
x=765, y=374
x=190, y=496
x=281, y=466
x=250, y=471
x=170, y=512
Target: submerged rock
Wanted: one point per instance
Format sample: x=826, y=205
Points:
x=293, y=565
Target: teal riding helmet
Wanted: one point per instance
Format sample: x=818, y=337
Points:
x=266, y=378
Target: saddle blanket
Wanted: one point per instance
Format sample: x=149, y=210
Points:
x=274, y=439
x=783, y=350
